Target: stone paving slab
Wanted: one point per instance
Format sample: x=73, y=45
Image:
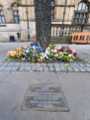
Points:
x=51, y=67
x=14, y=86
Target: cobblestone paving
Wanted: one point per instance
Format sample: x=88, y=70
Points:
x=51, y=67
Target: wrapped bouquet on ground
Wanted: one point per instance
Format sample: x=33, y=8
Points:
x=35, y=53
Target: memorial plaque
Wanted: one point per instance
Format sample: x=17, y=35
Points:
x=45, y=98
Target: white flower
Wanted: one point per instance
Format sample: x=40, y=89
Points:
x=42, y=55
x=54, y=50
x=34, y=47
x=56, y=55
x=27, y=51
x=47, y=52
x=70, y=55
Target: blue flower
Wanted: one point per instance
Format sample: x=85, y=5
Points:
x=37, y=47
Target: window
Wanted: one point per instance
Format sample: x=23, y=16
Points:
x=16, y=17
x=2, y=17
x=81, y=14
x=82, y=7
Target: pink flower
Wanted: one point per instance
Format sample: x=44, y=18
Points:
x=73, y=51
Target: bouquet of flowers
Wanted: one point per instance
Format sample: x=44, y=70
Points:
x=35, y=53
x=18, y=53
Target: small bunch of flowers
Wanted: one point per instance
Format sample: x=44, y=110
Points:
x=65, y=54
x=18, y=53
x=68, y=50
x=34, y=53
x=68, y=54
x=34, y=56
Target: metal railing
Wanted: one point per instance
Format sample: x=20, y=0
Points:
x=56, y=30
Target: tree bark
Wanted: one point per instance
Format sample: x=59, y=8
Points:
x=43, y=21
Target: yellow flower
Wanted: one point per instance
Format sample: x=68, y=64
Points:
x=12, y=53
x=17, y=53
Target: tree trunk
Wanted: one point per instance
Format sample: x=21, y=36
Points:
x=43, y=21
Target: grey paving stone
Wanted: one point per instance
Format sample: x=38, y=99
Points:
x=66, y=67
x=87, y=65
x=33, y=67
x=27, y=67
x=87, y=115
x=1, y=64
x=87, y=69
x=82, y=67
x=1, y=69
x=27, y=64
x=22, y=64
x=7, y=69
x=13, y=64
x=22, y=69
x=14, y=69
x=2, y=58
x=5, y=64
x=75, y=67
x=57, y=67
x=69, y=68
x=36, y=67
x=62, y=68
x=39, y=67
x=51, y=67
x=45, y=68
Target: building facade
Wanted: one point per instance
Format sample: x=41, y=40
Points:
x=17, y=18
